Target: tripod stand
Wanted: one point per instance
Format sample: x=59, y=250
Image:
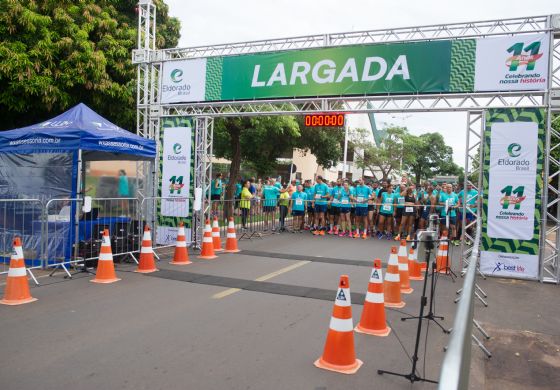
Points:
x=412, y=376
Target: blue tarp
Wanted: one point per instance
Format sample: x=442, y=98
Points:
x=79, y=128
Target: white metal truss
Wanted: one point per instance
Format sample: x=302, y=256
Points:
x=530, y=24
x=204, y=136
x=362, y=104
x=149, y=61
x=474, y=158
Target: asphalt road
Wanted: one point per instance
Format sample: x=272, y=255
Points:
x=162, y=332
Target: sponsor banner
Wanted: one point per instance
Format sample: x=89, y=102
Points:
x=176, y=169
x=167, y=235
x=512, y=189
x=513, y=170
x=446, y=66
x=512, y=63
x=512, y=265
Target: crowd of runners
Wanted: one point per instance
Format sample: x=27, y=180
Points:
x=357, y=209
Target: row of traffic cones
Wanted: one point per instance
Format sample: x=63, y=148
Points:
x=339, y=353
x=17, y=286
x=212, y=243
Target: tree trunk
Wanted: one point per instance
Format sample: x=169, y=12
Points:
x=234, y=167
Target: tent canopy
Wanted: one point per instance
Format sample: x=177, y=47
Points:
x=79, y=128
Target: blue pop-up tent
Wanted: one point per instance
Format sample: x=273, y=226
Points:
x=44, y=161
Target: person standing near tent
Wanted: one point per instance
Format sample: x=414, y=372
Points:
x=298, y=199
x=123, y=190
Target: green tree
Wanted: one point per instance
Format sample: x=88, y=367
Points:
x=428, y=155
x=55, y=54
x=386, y=158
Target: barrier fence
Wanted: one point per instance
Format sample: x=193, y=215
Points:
x=457, y=361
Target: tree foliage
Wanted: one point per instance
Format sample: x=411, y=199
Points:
x=55, y=54
x=386, y=158
x=428, y=155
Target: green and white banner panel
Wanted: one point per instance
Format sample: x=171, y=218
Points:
x=512, y=185
x=447, y=66
x=176, y=178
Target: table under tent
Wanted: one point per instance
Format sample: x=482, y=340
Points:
x=42, y=171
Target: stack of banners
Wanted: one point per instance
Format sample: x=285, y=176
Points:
x=513, y=165
x=512, y=63
x=175, y=177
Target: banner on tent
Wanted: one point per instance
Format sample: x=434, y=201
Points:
x=176, y=163
x=512, y=186
x=519, y=62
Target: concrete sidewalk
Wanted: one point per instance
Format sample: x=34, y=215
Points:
x=164, y=332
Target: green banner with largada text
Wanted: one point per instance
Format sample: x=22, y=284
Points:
x=424, y=67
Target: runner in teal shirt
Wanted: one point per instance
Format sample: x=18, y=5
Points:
x=320, y=195
x=362, y=194
x=298, y=199
x=344, y=200
x=386, y=211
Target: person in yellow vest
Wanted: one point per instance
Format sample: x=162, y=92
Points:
x=245, y=203
x=284, y=203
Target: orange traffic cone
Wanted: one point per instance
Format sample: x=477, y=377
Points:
x=339, y=354
x=403, y=269
x=392, y=283
x=442, y=256
x=105, y=267
x=415, y=272
x=231, y=241
x=181, y=256
x=373, y=316
x=146, y=263
x=17, y=285
x=207, y=251
x=216, y=240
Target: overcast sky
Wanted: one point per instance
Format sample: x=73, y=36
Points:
x=222, y=21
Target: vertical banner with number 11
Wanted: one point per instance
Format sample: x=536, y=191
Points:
x=513, y=163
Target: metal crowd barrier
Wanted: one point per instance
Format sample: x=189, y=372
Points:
x=21, y=218
x=456, y=365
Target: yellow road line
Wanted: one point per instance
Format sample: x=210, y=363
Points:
x=271, y=275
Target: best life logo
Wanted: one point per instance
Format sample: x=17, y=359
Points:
x=503, y=267
x=178, y=86
x=521, y=62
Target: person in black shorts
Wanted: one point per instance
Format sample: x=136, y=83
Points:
x=408, y=214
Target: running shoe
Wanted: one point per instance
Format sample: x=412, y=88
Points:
x=398, y=237
x=330, y=232
x=341, y=234
x=456, y=242
x=468, y=242
x=364, y=236
x=335, y=230
x=379, y=235
x=322, y=232
x=407, y=238
x=356, y=235
x=390, y=236
x=315, y=232
x=306, y=228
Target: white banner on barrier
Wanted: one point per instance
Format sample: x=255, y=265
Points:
x=176, y=172
x=512, y=63
x=167, y=235
x=509, y=265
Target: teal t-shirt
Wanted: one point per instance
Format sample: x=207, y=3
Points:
x=309, y=191
x=335, y=193
x=345, y=197
x=471, y=198
x=362, y=194
x=238, y=188
x=319, y=191
x=452, y=199
x=298, y=201
x=270, y=195
x=214, y=190
x=387, y=201
x=123, y=186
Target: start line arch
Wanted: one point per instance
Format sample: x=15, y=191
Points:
x=501, y=73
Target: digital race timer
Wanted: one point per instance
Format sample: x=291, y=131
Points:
x=327, y=120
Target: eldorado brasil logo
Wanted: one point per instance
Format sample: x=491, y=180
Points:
x=177, y=148
x=176, y=75
x=514, y=150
